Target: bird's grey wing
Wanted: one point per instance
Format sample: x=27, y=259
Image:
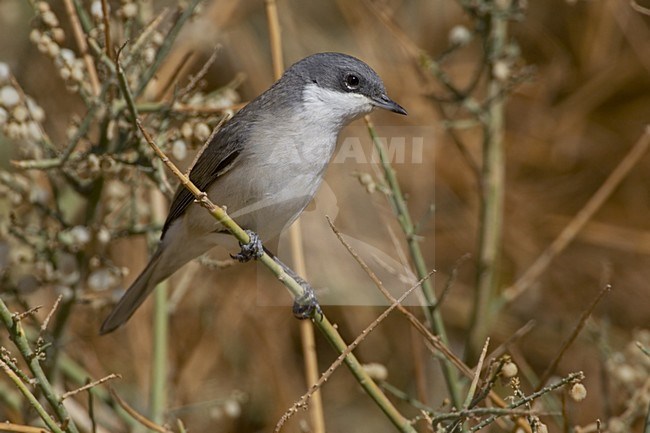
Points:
x=217, y=158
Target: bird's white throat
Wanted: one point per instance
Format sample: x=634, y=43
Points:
x=339, y=108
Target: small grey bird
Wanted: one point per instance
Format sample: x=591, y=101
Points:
x=265, y=165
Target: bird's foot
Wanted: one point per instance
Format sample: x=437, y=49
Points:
x=306, y=305
x=252, y=250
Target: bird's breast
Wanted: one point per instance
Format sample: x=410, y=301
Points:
x=276, y=177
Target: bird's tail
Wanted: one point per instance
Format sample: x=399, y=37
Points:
x=137, y=293
x=176, y=249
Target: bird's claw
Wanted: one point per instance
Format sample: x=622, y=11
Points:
x=252, y=250
x=306, y=305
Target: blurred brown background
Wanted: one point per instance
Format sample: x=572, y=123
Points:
x=585, y=105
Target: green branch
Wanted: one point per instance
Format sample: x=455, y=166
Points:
x=40, y=410
x=432, y=314
x=17, y=335
x=492, y=186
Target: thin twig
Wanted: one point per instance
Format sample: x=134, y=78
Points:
x=477, y=375
x=146, y=422
x=91, y=412
x=451, y=280
x=11, y=427
x=194, y=80
x=124, y=85
x=49, y=316
x=516, y=336
x=460, y=145
x=166, y=90
x=567, y=343
x=578, y=222
x=274, y=36
x=91, y=385
x=80, y=38
x=20, y=316
x=406, y=397
x=146, y=34
x=642, y=348
x=165, y=48
x=108, y=47
x=478, y=411
x=77, y=374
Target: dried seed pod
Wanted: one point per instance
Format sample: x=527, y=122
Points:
x=187, y=130
x=201, y=131
x=179, y=149
x=578, y=392
x=96, y=10
x=376, y=371
x=460, y=35
x=129, y=10
x=58, y=35
x=509, y=370
x=50, y=19
x=9, y=96
x=20, y=113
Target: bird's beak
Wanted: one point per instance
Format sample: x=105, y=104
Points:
x=386, y=103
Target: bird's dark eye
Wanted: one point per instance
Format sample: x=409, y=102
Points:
x=352, y=82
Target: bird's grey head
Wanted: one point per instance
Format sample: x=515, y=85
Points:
x=339, y=87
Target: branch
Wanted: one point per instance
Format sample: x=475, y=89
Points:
x=30, y=397
x=581, y=218
x=404, y=217
x=17, y=335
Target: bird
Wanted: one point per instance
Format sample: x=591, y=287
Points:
x=264, y=166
